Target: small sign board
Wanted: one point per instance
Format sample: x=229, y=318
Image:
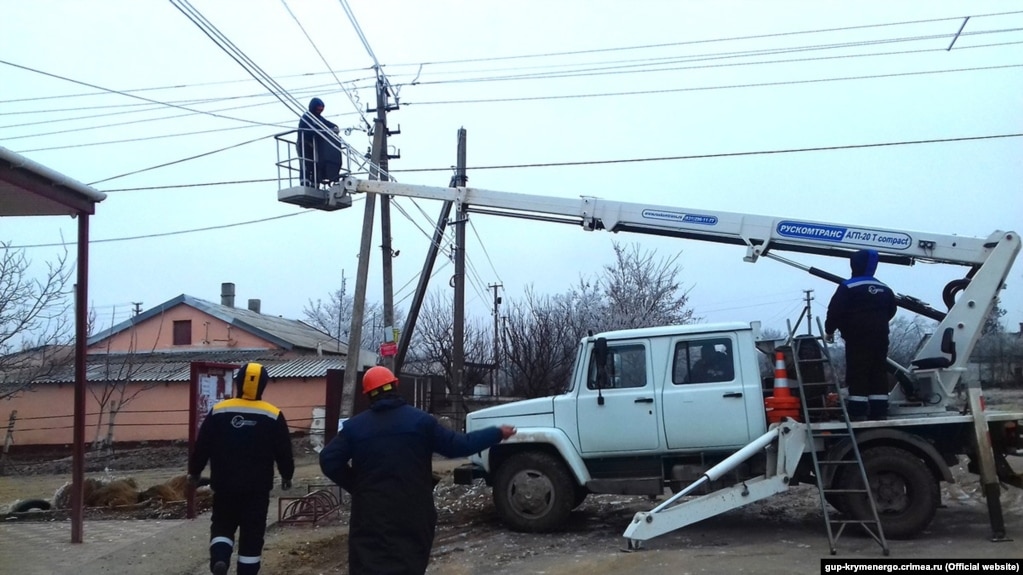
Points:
x=209, y=383
x=388, y=349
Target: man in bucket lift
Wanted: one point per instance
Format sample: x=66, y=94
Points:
x=319, y=153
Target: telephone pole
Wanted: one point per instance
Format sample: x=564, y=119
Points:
x=378, y=156
x=381, y=156
x=458, y=329
x=809, y=313
x=497, y=347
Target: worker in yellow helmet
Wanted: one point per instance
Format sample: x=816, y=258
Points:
x=383, y=457
x=242, y=438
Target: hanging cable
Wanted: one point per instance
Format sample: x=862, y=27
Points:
x=266, y=80
x=358, y=109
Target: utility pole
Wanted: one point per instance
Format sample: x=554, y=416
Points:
x=341, y=307
x=458, y=331
x=497, y=349
x=137, y=308
x=809, y=319
x=380, y=159
x=352, y=365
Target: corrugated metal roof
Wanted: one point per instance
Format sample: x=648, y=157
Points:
x=176, y=366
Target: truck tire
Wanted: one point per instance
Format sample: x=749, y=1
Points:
x=533, y=492
x=906, y=493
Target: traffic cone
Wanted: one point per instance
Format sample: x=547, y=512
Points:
x=782, y=404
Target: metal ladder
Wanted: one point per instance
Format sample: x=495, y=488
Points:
x=821, y=400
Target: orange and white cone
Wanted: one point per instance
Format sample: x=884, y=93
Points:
x=782, y=404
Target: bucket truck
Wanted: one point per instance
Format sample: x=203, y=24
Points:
x=653, y=424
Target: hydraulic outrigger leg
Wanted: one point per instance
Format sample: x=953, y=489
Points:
x=784, y=441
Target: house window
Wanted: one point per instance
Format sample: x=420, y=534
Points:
x=183, y=332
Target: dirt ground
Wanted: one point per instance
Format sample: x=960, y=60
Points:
x=782, y=534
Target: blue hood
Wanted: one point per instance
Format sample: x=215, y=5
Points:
x=863, y=263
x=315, y=102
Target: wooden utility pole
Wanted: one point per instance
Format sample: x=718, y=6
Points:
x=458, y=331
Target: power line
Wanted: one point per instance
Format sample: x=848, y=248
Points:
x=710, y=40
x=147, y=138
x=623, y=160
x=119, y=92
x=174, y=233
x=358, y=109
x=725, y=154
x=238, y=145
x=645, y=66
x=707, y=88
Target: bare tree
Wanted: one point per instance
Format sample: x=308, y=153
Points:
x=905, y=336
x=637, y=290
x=334, y=316
x=539, y=344
x=119, y=386
x=641, y=291
x=36, y=320
x=432, y=347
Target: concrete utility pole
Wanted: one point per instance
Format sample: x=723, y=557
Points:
x=352, y=364
x=497, y=347
x=458, y=331
x=380, y=159
x=809, y=313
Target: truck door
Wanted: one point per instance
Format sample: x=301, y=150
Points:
x=703, y=400
x=627, y=420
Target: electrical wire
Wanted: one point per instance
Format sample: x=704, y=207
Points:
x=267, y=81
x=197, y=156
x=121, y=93
x=724, y=154
x=712, y=40
x=358, y=109
x=620, y=161
x=148, y=138
x=174, y=233
x=708, y=88
x=485, y=253
x=646, y=66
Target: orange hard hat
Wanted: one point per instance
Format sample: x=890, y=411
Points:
x=376, y=378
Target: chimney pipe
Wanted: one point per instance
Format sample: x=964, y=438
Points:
x=254, y=305
x=227, y=294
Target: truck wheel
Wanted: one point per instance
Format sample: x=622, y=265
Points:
x=533, y=492
x=905, y=492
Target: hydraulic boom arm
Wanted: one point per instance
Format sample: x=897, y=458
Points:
x=968, y=300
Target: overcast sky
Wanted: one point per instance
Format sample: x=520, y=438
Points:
x=533, y=82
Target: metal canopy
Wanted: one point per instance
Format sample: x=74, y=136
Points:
x=31, y=189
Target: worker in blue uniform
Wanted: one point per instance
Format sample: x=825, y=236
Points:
x=242, y=438
x=860, y=309
x=383, y=457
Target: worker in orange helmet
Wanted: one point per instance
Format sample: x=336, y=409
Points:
x=383, y=457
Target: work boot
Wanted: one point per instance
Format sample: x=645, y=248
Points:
x=856, y=406
x=219, y=568
x=878, y=409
